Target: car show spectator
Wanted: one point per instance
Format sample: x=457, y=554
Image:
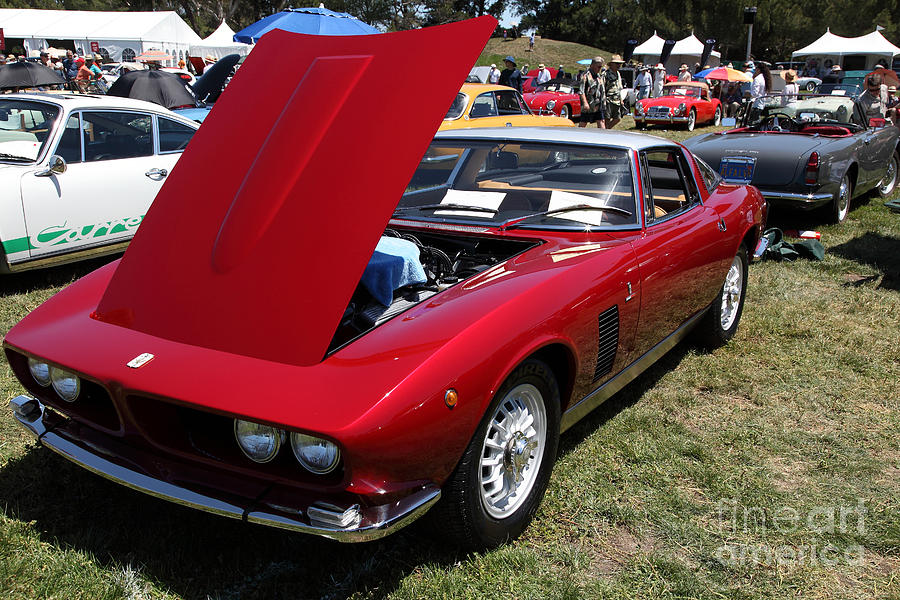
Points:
x=561, y=73
x=70, y=68
x=543, y=75
x=531, y=42
x=642, y=83
x=760, y=86
x=493, y=74
x=811, y=69
x=612, y=86
x=683, y=73
x=511, y=76
x=835, y=75
x=734, y=100
x=873, y=100
x=659, y=79
x=590, y=88
x=791, y=89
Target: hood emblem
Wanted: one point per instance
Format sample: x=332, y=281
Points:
x=140, y=360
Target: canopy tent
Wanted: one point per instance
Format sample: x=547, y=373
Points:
x=120, y=35
x=866, y=51
x=220, y=43
x=687, y=50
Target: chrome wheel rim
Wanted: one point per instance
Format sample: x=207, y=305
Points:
x=843, y=201
x=890, y=178
x=512, y=451
x=718, y=118
x=692, y=119
x=564, y=112
x=731, y=293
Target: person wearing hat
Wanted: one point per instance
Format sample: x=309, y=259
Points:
x=791, y=90
x=612, y=85
x=834, y=75
x=510, y=75
x=590, y=87
x=684, y=74
x=643, y=83
x=560, y=72
x=659, y=79
x=493, y=74
x=543, y=74
x=208, y=61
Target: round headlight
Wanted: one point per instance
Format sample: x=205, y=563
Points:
x=260, y=443
x=551, y=104
x=639, y=108
x=40, y=371
x=315, y=454
x=66, y=384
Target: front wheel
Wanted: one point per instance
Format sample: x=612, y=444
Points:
x=810, y=86
x=564, y=111
x=717, y=118
x=721, y=321
x=498, y=484
x=889, y=181
x=692, y=120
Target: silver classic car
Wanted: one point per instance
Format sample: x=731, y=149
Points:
x=810, y=151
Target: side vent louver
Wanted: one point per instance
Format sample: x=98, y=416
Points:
x=608, y=341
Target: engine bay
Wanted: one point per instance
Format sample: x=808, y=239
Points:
x=445, y=261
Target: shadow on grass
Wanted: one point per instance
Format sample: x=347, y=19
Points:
x=21, y=283
x=875, y=250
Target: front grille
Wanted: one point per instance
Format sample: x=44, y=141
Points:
x=658, y=111
x=608, y=341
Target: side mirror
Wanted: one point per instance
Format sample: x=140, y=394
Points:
x=877, y=122
x=729, y=122
x=57, y=166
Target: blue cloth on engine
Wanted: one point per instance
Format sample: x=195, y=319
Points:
x=394, y=265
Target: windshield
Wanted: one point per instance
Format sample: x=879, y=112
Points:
x=457, y=108
x=25, y=127
x=494, y=184
x=686, y=91
x=802, y=110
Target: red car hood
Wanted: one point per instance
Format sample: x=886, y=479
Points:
x=259, y=237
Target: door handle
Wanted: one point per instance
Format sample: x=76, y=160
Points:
x=156, y=173
x=722, y=226
x=630, y=293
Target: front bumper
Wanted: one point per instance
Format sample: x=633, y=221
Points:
x=344, y=524
x=797, y=200
x=646, y=119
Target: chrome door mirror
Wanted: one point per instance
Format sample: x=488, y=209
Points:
x=57, y=166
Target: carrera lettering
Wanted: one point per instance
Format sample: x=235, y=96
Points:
x=60, y=234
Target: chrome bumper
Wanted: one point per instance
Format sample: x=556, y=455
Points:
x=351, y=524
x=661, y=119
x=808, y=200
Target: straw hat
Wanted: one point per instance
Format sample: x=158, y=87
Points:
x=683, y=67
x=541, y=66
x=210, y=58
x=789, y=75
x=616, y=58
x=660, y=66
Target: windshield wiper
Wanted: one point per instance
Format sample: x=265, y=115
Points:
x=512, y=223
x=406, y=209
x=5, y=156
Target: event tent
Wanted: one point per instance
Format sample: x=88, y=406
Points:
x=687, y=50
x=865, y=50
x=120, y=35
x=220, y=43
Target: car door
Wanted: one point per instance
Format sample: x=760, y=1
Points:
x=113, y=173
x=497, y=109
x=878, y=143
x=679, y=254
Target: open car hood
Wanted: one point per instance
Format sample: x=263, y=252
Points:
x=261, y=233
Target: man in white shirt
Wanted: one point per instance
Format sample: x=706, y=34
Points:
x=493, y=74
x=543, y=74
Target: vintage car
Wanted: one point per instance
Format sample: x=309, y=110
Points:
x=558, y=96
x=86, y=168
x=815, y=151
x=337, y=355
x=683, y=102
x=485, y=105
x=808, y=83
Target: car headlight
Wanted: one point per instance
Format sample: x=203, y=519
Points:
x=40, y=371
x=679, y=110
x=551, y=104
x=260, y=443
x=66, y=384
x=315, y=454
x=639, y=108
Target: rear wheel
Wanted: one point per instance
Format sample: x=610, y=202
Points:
x=840, y=205
x=721, y=321
x=810, y=86
x=889, y=182
x=717, y=118
x=692, y=120
x=498, y=484
x=564, y=112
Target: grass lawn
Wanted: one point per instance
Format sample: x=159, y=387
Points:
x=769, y=468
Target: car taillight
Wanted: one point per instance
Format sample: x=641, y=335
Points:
x=812, y=168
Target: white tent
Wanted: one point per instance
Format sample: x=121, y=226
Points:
x=866, y=50
x=220, y=43
x=121, y=35
x=688, y=50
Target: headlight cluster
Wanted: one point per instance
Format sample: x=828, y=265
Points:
x=551, y=104
x=639, y=108
x=66, y=384
x=679, y=110
x=261, y=443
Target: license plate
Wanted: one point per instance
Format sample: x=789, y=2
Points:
x=737, y=169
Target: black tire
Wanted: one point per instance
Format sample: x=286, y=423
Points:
x=887, y=185
x=840, y=204
x=463, y=514
x=721, y=321
x=692, y=120
x=810, y=86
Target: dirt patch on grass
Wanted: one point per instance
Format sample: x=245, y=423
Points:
x=788, y=475
x=611, y=551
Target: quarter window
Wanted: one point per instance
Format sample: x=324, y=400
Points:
x=711, y=179
x=173, y=136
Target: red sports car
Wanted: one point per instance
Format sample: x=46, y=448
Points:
x=683, y=102
x=558, y=96
x=338, y=335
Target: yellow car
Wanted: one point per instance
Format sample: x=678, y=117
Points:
x=485, y=105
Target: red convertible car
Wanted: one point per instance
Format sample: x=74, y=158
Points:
x=682, y=102
x=558, y=96
x=337, y=343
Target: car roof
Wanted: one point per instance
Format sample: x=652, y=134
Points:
x=74, y=101
x=565, y=135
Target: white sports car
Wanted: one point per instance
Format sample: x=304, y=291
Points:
x=79, y=172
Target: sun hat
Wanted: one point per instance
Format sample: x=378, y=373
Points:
x=683, y=67
x=660, y=66
x=615, y=58
x=493, y=66
x=789, y=75
x=510, y=59
x=836, y=68
x=541, y=66
x=210, y=58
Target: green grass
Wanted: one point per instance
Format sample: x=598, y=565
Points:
x=706, y=457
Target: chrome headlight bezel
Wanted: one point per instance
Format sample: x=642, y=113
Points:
x=551, y=104
x=40, y=372
x=302, y=441
x=66, y=384
x=241, y=436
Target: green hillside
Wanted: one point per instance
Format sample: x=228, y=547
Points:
x=550, y=52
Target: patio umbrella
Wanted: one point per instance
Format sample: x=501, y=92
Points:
x=209, y=85
x=152, y=56
x=889, y=77
x=27, y=74
x=160, y=87
x=584, y=61
x=723, y=74
x=315, y=21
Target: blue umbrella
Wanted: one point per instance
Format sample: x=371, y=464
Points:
x=584, y=61
x=315, y=21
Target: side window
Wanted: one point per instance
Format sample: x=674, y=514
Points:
x=483, y=106
x=508, y=103
x=670, y=190
x=115, y=135
x=173, y=136
x=70, y=143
